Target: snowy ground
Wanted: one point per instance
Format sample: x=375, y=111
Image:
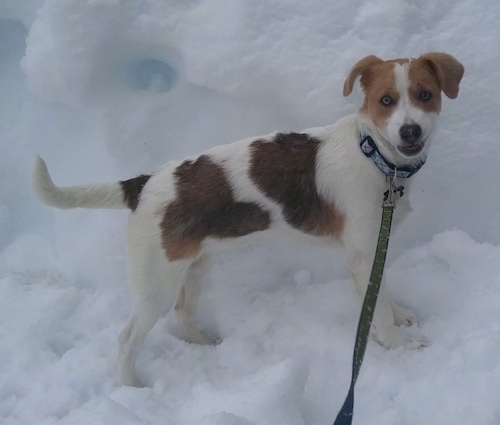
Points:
x=109, y=88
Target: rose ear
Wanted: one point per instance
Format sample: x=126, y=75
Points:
x=360, y=69
x=448, y=70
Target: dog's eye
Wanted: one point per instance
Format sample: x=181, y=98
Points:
x=386, y=101
x=425, y=95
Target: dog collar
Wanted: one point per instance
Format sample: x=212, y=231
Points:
x=370, y=149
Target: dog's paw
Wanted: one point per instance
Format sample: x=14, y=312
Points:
x=198, y=338
x=403, y=316
x=392, y=338
x=131, y=380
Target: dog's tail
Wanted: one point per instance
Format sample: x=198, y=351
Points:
x=117, y=195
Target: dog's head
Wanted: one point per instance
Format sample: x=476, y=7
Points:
x=403, y=100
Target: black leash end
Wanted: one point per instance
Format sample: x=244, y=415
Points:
x=345, y=415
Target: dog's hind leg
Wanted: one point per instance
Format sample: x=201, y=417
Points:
x=150, y=299
x=187, y=300
x=154, y=283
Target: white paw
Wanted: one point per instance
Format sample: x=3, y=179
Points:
x=392, y=337
x=195, y=337
x=131, y=380
x=403, y=316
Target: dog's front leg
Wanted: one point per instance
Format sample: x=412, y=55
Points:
x=359, y=263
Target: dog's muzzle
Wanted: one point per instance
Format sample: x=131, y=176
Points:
x=411, y=136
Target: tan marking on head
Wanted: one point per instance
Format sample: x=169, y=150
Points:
x=361, y=68
x=446, y=70
x=422, y=77
x=205, y=207
x=432, y=72
x=377, y=80
x=284, y=169
x=381, y=82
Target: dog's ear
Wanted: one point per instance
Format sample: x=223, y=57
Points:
x=361, y=69
x=448, y=70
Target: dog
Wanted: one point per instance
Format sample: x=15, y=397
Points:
x=325, y=184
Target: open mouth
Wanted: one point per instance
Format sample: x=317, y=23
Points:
x=411, y=150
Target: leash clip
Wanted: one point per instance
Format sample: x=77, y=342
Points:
x=393, y=192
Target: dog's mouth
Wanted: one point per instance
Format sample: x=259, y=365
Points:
x=412, y=149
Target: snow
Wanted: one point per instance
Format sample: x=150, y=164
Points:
x=106, y=89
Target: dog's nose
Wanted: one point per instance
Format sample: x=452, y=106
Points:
x=410, y=132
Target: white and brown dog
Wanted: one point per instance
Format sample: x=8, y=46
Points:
x=326, y=183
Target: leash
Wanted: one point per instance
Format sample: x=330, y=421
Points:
x=345, y=415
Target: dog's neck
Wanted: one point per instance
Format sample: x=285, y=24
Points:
x=370, y=149
x=389, y=153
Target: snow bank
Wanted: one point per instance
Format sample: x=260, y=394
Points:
x=284, y=360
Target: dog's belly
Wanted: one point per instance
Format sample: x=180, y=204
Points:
x=281, y=234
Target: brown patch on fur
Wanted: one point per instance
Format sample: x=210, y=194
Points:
x=205, y=207
x=132, y=189
x=284, y=169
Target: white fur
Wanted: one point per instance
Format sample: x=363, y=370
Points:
x=344, y=177
x=105, y=195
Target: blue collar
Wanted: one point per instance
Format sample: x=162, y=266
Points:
x=370, y=150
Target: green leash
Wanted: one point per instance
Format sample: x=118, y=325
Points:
x=345, y=415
